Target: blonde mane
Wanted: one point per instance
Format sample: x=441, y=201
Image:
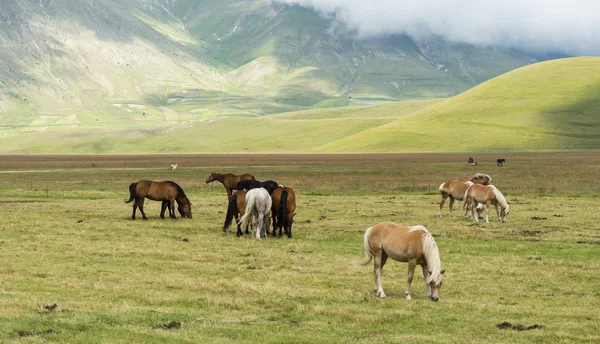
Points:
x=500, y=197
x=479, y=175
x=432, y=256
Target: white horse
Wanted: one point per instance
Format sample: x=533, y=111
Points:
x=173, y=167
x=258, y=205
x=478, y=196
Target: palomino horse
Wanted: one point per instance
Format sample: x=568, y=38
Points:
x=258, y=206
x=237, y=206
x=283, y=210
x=456, y=189
x=229, y=180
x=414, y=245
x=249, y=184
x=486, y=195
x=168, y=192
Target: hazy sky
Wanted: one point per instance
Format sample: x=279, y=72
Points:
x=571, y=27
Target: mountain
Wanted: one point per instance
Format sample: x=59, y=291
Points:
x=160, y=64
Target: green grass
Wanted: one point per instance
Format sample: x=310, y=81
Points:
x=115, y=280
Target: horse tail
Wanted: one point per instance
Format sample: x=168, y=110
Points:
x=243, y=222
x=230, y=210
x=368, y=256
x=132, y=194
x=282, y=208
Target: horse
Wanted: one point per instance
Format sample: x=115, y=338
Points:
x=173, y=167
x=236, y=206
x=455, y=189
x=283, y=210
x=500, y=162
x=413, y=245
x=258, y=205
x=471, y=162
x=167, y=191
x=269, y=185
x=486, y=195
x=229, y=180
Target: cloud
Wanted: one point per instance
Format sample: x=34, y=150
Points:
x=566, y=26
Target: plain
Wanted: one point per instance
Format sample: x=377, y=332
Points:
x=67, y=240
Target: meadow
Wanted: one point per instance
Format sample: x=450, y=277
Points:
x=75, y=268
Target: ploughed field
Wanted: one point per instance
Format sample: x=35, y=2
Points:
x=74, y=267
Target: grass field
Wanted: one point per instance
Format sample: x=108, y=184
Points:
x=67, y=239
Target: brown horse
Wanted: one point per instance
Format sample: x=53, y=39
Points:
x=229, y=180
x=414, y=245
x=477, y=195
x=455, y=189
x=283, y=210
x=167, y=191
x=236, y=206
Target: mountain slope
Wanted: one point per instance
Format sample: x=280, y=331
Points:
x=548, y=105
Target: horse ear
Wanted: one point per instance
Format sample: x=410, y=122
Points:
x=442, y=272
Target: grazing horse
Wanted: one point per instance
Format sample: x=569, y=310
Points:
x=471, y=162
x=486, y=195
x=283, y=210
x=249, y=184
x=236, y=206
x=229, y=180
x=500, y=162
x=456, y=189
x=168, y=192
x=414, y=245
x=258, y=207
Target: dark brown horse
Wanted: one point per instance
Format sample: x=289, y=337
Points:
x=229, y=180
x=236, y=206
x=269, y=185
x=167, y=191
x=283, y=210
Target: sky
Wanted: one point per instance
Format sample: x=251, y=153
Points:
x=540, y=26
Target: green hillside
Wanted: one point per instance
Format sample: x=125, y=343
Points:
x=545, y=106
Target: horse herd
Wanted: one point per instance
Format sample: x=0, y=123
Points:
x=251, y=202
x=254, y=201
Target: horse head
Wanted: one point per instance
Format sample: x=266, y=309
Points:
x=211, y=177
x=435, y=281
x=185, y=210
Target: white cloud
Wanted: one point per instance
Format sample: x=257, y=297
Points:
x=570, y=27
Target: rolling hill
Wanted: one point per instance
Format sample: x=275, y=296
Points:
x=550, y=105
x=113, y=65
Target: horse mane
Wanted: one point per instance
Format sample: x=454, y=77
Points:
x=432, y=255
x=500, y=197
x=480, y=175
x=179, y=190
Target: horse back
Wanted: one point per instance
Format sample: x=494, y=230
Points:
x=399, y=242
x=455, y=188
x=482, y=193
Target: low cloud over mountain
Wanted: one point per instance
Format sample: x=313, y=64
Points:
x=539, y=26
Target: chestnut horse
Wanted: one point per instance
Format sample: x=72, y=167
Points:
x=236, y=206
x=167, y=191
x=229, y=180
x=455, y=189
x=258, y=205
x=283, y=210
x=412, y=245
x=486, y=195
x=249, y=184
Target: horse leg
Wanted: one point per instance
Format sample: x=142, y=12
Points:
x=487, y=211
x=274, y=216
x=141, y=206
x=497, y=212
x=163, y=207
x=134, y=209
x=444, y=196
x=172, y=208
x=474, y=215
x=239, y=227
x=380, y=260
x=426, y=276
x=229, y=192
x=450, y=205
x=411, y=271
